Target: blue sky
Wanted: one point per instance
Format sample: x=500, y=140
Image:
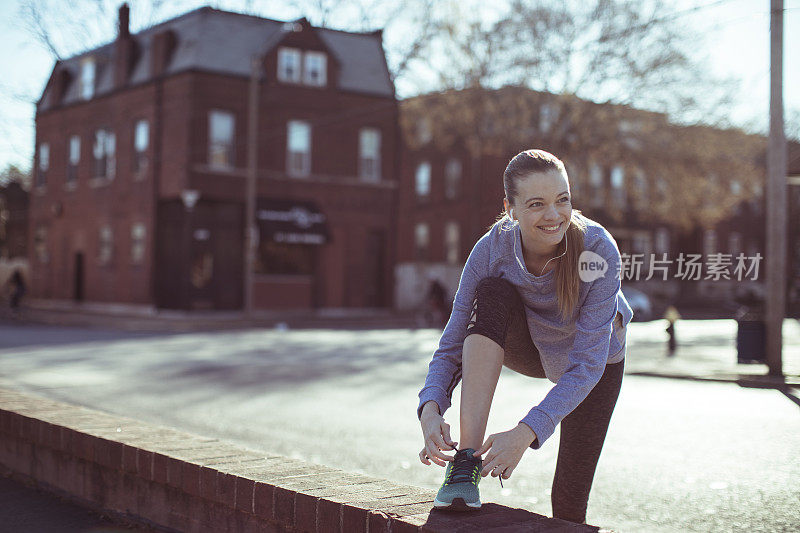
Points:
x=735, y=36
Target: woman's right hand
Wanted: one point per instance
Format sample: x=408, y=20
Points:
x=436, y=433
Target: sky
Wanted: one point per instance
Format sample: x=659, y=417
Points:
x=735, y=44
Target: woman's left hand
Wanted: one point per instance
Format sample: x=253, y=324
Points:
x=505, y=450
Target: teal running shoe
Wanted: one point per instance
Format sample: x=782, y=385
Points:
x=459, y=492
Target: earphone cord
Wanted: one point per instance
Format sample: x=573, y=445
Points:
x=548, y=261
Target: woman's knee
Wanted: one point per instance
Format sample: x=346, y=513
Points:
x=492, y=305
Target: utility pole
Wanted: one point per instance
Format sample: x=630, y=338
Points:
x=776, y=198
x=250, y=188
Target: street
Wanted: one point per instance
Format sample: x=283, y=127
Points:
x=680, y=455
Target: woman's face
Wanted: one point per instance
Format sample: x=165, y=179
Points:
x=543, y=208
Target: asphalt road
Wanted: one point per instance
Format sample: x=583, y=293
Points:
x=680, y=455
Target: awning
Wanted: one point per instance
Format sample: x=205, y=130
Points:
x=291, y=221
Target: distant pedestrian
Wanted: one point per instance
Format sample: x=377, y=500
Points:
x=523, y=302
x=437, y=304
x=17, y=289
x=671, y=315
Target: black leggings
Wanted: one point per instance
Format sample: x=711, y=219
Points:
x=498, y=313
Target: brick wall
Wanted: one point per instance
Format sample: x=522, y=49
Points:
x=176, y=481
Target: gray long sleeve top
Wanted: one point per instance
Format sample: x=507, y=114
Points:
x=574, y=352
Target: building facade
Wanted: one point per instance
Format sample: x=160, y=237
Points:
x=665, y=192
x=141, y=165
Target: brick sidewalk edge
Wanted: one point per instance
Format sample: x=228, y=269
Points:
x=176, y=481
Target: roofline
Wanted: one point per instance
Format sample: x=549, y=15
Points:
x=155, y=27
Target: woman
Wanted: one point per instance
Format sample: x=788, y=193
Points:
x=531, y=298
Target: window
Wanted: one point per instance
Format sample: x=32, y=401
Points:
x=141, y=140
x=596, y=184
x=99, y=152
x=709, y=243
x=641, y=190
x=421, y=240
x=451, y=243
x=105, y=248
x=44, y=164
x=424, y=133
x=618, y=184
x=111, y=150
x=74, y=158
x=642, y=244
x=369, y=158
x=40, y=244
x=662, y=241
x=617, y=177
x=423, y=179
x=734, y=244
x=298, y=149
x=289, y=64
x=452, y=178
x=138, y=234
x=220, y=139
x=104, y=149
x=87, y=78
x=285, y=258
x=314, y=72
x=548, y=114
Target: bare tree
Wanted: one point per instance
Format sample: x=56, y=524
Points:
x=68, y=28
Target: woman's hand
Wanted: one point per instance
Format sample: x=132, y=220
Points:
x=506, y=450
x=436, y=433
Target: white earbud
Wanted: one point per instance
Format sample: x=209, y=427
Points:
x=511, y=213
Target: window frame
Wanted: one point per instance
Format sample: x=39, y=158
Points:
x=453, y=178
x=366, y=173
x=72, y=166
x=308, y=58
x=427, y=192
x=422, y=250
x=43, y=164
x=452, y=242
x=291, y=155
x=138, y=243
x=105, y=245
x=140, y=160
x=283, y=53
x=216, y=146
x=88, y=81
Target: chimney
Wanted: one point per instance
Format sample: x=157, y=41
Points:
x=123, y=49
x=124, y=17
x=161, y=49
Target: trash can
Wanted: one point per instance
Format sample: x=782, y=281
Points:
x=751, y=338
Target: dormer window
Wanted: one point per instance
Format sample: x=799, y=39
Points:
x=296, y=66
x=87, y=78
x=289, y=67
x=314, y=72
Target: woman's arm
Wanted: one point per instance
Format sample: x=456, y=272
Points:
x=444, y=371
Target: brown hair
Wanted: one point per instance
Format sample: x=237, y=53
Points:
x=567, y=279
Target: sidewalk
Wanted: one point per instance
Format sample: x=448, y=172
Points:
x=147, y=318
x=706, y=348
x=706, y=351
x=28, y=510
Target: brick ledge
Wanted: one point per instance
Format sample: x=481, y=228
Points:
x=176, y=481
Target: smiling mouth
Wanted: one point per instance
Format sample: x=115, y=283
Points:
x=550, y=229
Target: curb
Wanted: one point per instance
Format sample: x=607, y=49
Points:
x=176, y=481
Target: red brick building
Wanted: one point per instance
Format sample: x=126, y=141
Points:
x=13, y=221
x=451, y=185
x=142, y=155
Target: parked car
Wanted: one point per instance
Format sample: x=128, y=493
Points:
x=640, y=303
